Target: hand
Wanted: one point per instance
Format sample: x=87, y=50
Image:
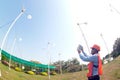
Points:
x=80, y=47
x=79, y=51
x=82, y=50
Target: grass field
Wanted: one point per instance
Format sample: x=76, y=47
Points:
x=111, y=71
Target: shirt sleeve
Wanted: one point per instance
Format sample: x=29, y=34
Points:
x=87, y=58
x=85, y=54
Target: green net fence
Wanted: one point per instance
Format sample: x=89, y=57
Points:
x=25, y=62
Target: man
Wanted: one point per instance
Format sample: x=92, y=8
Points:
x=95, y=63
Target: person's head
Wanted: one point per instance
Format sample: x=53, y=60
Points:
x=95, y=49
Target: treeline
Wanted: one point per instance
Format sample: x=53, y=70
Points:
x=71, y=65
x=116, y=49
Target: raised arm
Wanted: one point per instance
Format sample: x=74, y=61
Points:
x=92, y=58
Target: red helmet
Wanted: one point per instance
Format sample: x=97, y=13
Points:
x=97, y=47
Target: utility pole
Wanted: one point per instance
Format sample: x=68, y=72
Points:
x=12, y=52
x=5, y=37
x=11, y=26
x=79, y=24
x=106, y=46
x=49, y=45
x=60, y=64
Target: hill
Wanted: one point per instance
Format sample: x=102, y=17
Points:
x=111, y=71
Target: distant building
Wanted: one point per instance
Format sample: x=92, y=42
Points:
x=107, y=60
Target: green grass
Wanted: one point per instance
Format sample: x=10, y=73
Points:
x=111, y=71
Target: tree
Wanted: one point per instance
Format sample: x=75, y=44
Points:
x=116, y=48
x=37, y=62
x=71, y=65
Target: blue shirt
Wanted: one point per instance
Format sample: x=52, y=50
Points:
x=90, y=58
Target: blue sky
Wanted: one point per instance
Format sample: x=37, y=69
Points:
x=55, y=21
x=50, y=22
